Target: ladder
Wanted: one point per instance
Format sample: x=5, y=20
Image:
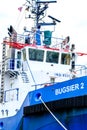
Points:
x=3, y=73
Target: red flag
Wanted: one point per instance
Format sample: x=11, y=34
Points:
x=20, y=9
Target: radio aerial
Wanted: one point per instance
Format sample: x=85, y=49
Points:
x=54, y=19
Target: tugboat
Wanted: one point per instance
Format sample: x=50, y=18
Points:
x=42, y=86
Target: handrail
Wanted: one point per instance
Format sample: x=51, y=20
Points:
x=81, y=69
x=20, y=41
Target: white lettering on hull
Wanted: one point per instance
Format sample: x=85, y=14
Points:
x=70, y=88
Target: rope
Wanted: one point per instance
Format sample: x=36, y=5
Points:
x=52, y=114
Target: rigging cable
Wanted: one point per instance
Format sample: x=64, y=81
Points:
x=52, y=114
x=31, y=74
x=20, y=17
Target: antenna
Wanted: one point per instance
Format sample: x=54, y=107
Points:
x=54, y=18
x=46, y=1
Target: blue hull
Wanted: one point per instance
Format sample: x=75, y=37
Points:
x=67, y=101
x=45, y=121
x=68, y=89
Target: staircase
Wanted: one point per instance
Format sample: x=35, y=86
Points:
x=12, y=73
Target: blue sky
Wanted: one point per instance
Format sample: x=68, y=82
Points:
x=72, y=14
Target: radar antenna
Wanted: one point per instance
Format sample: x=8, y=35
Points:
x=54, y=19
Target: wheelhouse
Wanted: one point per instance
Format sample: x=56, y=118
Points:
x=46, y=55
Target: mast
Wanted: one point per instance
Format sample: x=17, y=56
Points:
x=37, y=9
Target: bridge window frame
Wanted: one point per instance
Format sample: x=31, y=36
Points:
x=65, y=58
x=36, y=54
x=52, y=57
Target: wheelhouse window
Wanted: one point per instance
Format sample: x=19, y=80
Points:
x=18, y=55
x=18, y=59
x=65, y=59
x=52, y=57
x=24, y=54
x=36, y=54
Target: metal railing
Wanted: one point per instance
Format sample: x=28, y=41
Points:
x=21, y=39
x=81, y=70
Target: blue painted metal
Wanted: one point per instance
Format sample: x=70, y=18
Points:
x=38, y=37
x=14, y=122
x=67, y=89
x=45, y=121
x=71, y=119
